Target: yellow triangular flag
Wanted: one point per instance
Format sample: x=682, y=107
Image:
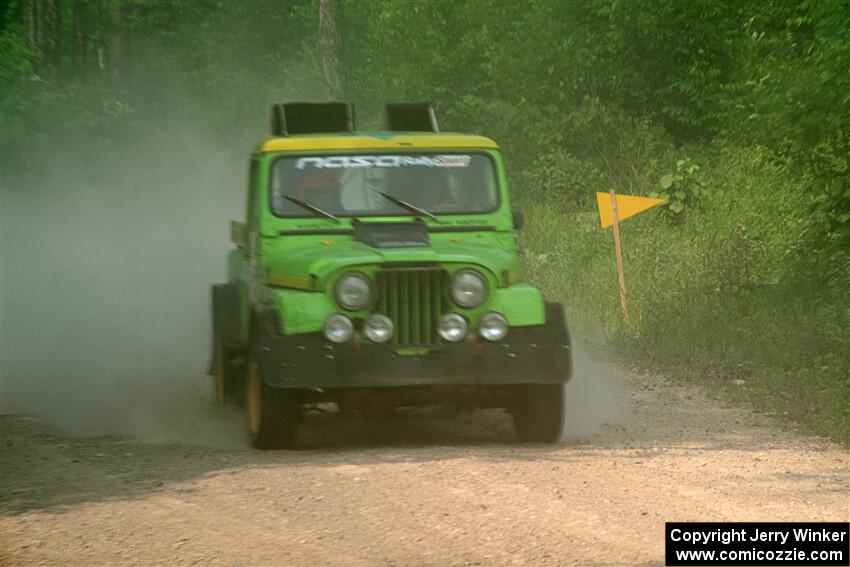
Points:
x=627, y=205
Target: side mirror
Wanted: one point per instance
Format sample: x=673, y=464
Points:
x=519, y=220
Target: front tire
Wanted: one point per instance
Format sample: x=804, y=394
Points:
x=539, y=416
x=273, y=413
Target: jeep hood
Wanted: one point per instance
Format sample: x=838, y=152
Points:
x=317, y=262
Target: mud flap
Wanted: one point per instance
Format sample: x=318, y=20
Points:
x=558, y=347
x=225, y=314
x=225, y=320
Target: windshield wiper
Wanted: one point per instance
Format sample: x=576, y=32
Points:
x=409, y=206
x=312, y=208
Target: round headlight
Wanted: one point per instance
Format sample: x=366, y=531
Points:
x=353, y=292
x=338, y=328
x=468, y=288
x=493, y=326
x=452, y=327
x=378, y=328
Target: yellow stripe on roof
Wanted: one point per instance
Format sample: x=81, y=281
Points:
x=377, y=141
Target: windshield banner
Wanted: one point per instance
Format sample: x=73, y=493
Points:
x=343, y=162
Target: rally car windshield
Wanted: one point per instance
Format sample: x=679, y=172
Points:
x=383, y=185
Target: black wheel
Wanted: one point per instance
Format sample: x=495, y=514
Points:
x=539, y=415
x=227, y=382
x=273, y=413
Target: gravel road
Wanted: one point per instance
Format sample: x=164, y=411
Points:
x=425, y=488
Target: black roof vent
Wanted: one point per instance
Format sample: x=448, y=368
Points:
x=312, y=118
x=412, y=117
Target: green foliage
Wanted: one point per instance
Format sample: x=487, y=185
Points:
x=563, y=177
x=15, y=56
x=681, y=188
x=592, y=149
x=793, y=94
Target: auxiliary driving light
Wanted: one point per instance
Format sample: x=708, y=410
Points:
x=338, y=328
x=452, y=327
x=493, y=326
x=378, y=328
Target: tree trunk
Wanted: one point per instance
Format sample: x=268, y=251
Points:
x=32, y=23
x=47, y=33
x=330, y=45
x=56, y=33
x=79, y=43
x=118, y=49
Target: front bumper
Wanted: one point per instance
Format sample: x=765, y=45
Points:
x=310, y=361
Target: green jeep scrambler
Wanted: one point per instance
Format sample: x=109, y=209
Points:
x=380, y=270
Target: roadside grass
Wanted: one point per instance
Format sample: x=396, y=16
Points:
x=725, y=294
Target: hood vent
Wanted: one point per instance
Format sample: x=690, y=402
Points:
x=408, y=234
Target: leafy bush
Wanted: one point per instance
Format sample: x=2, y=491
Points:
x=681, y=188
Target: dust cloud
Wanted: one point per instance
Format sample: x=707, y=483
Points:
x=595, y=397
x=107, y=256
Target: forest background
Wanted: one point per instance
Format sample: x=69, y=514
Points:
x=737, y=112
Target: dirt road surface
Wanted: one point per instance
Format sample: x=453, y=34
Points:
x=424, y=489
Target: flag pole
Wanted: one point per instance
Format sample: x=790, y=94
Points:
x=623, y=303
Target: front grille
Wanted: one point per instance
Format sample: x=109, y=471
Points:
x=414, y=299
